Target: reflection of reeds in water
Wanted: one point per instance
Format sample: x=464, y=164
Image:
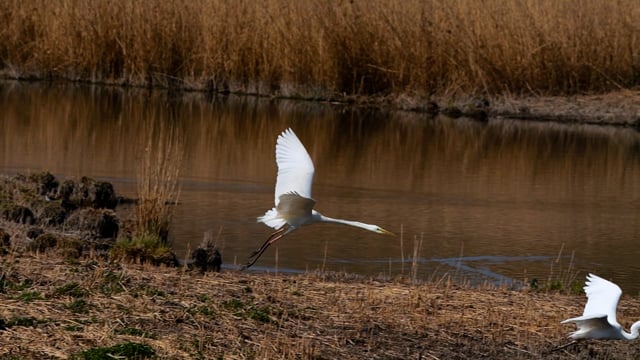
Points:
x=67, y=124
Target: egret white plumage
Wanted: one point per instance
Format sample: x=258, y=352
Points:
x=598, y=321
x=293, y=201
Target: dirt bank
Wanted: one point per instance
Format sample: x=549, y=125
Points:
x=621, y=108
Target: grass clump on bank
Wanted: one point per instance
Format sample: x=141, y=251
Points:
x=158, y=193
x=320, y=49
x=148, y=248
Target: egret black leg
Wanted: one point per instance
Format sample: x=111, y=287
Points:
x=268, y=242
x=277, y=235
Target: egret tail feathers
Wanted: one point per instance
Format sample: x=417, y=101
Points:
x=271, y=218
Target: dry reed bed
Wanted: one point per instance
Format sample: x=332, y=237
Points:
x=236, y=315
x=323, y=48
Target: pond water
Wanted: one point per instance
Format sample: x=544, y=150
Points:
x=500, y=201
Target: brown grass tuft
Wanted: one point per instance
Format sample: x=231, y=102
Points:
x=158, y=191
x=158, y=173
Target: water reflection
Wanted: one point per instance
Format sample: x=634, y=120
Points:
x=467, y=189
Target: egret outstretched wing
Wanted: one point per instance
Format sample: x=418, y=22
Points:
x=295, y=168
x=602, y=298
x=598, y=321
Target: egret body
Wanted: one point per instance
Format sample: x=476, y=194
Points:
x=293, y=201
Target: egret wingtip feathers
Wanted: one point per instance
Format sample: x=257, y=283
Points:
x=295, y=167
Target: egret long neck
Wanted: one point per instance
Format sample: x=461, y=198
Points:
x=346, y=222
x=634, y=331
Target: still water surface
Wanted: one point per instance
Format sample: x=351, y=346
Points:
x=498, y=201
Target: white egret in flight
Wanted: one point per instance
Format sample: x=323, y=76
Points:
x=293, y=202
x=598, y=321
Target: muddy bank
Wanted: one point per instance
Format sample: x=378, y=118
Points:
x=76, y=218
x=39, y=212
x=620, y=108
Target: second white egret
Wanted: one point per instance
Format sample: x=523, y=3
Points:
x=598, y=321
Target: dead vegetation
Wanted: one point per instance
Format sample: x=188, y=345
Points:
x=326, y=49
x=158, y=192
x=56, y=308
x=157, y=180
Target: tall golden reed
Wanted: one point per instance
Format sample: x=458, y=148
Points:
x=320, y=48
x=157, y=180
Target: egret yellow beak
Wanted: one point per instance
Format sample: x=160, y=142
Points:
x=385, y=232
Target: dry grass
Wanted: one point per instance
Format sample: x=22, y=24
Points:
x=323, y=48
x=160, y=153
x=157, y=179
x=158, y=191
x=55, y=308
